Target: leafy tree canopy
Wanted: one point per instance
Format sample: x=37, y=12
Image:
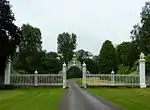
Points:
x=127, y=53
x=66, y=45
x=10, y=34
x=30, y=47
x=141, y=31
x=107, y=58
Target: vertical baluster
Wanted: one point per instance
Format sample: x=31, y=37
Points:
x=20, y=79
x=40, y=81
x=48, y=81
x=27, y=79
x=52, y=79
x=17, y=79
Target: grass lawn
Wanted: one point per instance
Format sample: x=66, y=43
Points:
x=30, y=99
x=78, y=81
x=129, y=99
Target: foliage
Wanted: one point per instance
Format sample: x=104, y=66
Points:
x=92, y=67
x=10, y=34
x=141, y=33
x=31, y=40
x=147, y=67
x=148, y=64
x=50, y=63
x=123, y=69
x=127, y=53
x=28, y=56
x=20, y=71
x=107, y=58
x=66, y=45
x=87, y=57
x=83, y=55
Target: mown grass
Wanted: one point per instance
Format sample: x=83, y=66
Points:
x=30, y=99
x=127, y=98
x=78, y=81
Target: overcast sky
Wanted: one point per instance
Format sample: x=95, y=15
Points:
x=93, y=21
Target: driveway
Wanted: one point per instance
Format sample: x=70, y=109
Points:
x=79, y=99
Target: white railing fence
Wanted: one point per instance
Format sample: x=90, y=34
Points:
x=112, y=80
x=37, y=79
x=87, y=78
x=148, y=80
x=14, y=78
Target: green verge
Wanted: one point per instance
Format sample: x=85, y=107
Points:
x=30, y=99
x=78, y=81
x=127, y=98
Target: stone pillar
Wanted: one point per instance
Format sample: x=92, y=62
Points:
x=36, y=78
x=113, y=77
x=64, y=76
x=84, y=75
x=142, y=71
x=8, y=72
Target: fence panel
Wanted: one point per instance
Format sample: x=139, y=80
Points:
x=148, y=80
x=112, y=80
x=36, y=79
x=22, y=79
x=50, y=79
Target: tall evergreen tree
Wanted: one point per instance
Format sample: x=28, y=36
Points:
x=107, y=58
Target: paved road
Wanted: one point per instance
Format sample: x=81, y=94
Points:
x=79, y=99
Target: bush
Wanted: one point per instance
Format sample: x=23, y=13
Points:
x=123, y=69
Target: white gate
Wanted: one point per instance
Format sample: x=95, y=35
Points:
x=87, y=79
x=74, y=63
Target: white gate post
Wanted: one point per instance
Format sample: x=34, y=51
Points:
x=64, y=76
x=8, y=72
x=142, y=71
x=84, y=75
x=113, y=77
x=36, y=78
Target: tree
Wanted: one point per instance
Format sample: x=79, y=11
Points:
x=10, y=35
x=141, y=33
x=107, y=58
x=147, y=64
x=95, y=59
x=83, y=55
x=127, y=53
x=31, y=40
x=86, y=56
x=50, y=63
x=92, y=66
x=135, y=33
x=66, y=45
x=30, y=48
